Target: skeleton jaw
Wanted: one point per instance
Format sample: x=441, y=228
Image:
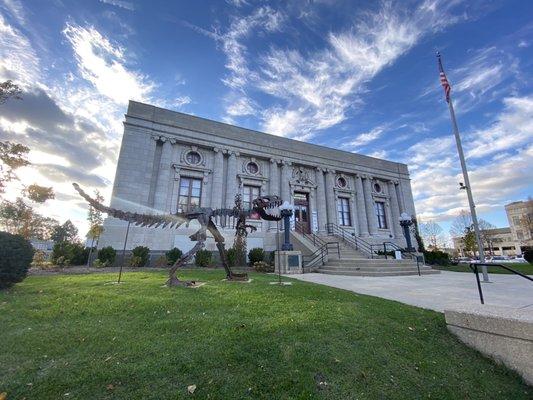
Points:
x=268, y=207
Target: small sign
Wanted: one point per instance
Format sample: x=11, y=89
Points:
x=315, y=221
x=398, y=254
x=293, y=261
x=293, y=221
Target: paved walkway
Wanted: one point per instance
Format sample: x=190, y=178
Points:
x=438, y=292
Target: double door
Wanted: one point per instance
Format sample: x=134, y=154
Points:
x=301, y=212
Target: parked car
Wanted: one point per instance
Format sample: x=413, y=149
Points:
x=520, y=260
x=464, y=260
x=499, y=259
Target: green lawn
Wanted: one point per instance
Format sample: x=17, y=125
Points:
x=75, y=337
x=523, y=268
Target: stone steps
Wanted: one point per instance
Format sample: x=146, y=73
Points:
x=379, y=273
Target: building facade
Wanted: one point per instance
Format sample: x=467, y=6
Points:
x=520, y=217
x=171, y=162
x=496, y=242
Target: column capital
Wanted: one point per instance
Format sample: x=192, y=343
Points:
x=286, y=162
x=274, y=160
x=367, y=176
x=233, y=153
x=394, y=182
x=219, y=150
x=330, y=170
x=320, y=169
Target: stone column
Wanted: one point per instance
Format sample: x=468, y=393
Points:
x=354, y=216
x=218, y=177
x=330, y=196
x=285, y=178
x=163, y=177
x=395, y=210
x=231, y=180
x=369, y=206
x=321, y=200
x=361, y=207
x=399, y=195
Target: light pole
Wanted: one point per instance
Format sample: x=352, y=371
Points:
x=406, y=222
x=286, y=213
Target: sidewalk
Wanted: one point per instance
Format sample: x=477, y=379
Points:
x=444, y=291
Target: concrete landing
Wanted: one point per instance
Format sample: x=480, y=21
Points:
x=502, y=333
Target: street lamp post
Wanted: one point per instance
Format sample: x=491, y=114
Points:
x=406, y=222
x=286, y=213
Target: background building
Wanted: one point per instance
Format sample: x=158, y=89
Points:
x=171, y=162
x=520, y=217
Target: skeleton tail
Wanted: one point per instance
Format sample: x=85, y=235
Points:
x=148, y=220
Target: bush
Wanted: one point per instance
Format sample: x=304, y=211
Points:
x=99, y=264
x=65, y=253
x=256, y=255
x=16, y=254
x=203, y=258
x=173, y=255
x=136, y=262
x=161, y=262
x=142, y=255
x=528, y=255
x=436, y=257
x=261, y=266
x=39, y=259
x=231, y=255
x=106, y=256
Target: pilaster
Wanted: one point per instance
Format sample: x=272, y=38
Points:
x=369, y=205
x=231, y=179
x=285, y=181
x=163, y=177
x=218, y=177
x=361, y=206
x=395, y=209
x=321, y=199
x=330, y=197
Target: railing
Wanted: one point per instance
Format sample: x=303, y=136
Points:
x=473, y=267
x=317, y=240
x=319, y=255
x=371, y=250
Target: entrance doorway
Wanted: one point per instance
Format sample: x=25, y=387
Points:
x=301, y=212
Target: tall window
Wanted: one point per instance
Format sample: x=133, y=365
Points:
x=380, y=214
x=249, y=193
x=190, y=193
x=343, y=210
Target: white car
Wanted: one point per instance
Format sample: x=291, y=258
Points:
x=520, y=260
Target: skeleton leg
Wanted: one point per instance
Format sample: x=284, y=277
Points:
x=219, y=239
x=172, y=278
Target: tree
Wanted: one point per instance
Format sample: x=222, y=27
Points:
x=12, y=156
x=462, y=226
x=431, y=233
x=65, y=233
x=20, y=219
x=39, y=194
x=9, y=89
x=96, y=227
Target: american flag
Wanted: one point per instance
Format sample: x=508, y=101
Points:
x=443, y=80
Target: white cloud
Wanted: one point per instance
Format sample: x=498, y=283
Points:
x=436, y=173
x=103, y=64
x=512, y=129
x=15, y=9
x=317, y=89
x=18, y=60
x=365, y=138
x=127, y=5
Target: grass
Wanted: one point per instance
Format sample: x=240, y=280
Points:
x=75, y=337
x=520, y=267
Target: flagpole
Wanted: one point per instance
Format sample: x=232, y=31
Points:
x=467, y=183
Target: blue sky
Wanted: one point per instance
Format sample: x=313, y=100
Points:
x=358, y=76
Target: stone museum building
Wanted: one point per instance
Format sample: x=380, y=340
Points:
x=170, y=161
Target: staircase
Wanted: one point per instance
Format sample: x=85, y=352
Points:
x=351, y=256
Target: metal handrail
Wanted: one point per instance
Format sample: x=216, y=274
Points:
x=394, y=246
x=317, y=240
x=475, y=270
x=357, y=243
x=322, y=251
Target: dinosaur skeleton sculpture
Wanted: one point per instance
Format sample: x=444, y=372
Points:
x=267, y=207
